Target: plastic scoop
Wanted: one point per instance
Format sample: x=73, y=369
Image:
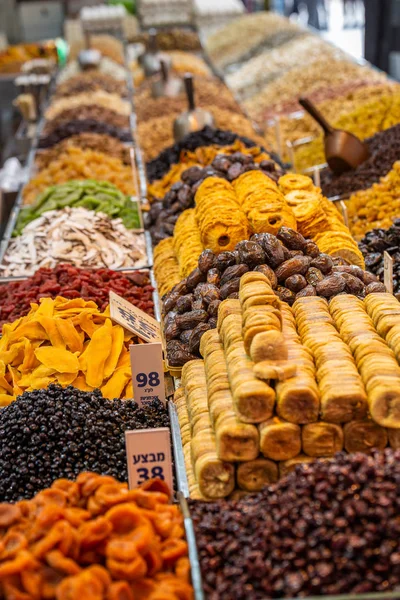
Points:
x=343, y=150
x=194, y=118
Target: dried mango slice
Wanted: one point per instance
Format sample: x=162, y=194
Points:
x=58, y=359
x=65, y=378
x=32, y=330
x=116, y=384
x=49, y=325
x=5, y=399
x=98, y=351
x=45, y=308
x=117, y=346
x=29, y=360
x=70, y=335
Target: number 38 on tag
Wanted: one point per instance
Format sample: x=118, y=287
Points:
x=149, y=456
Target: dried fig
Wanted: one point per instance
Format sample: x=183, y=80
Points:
x=194, y=340
x=207, y=261
x=293, y=240
x=331, y=285
x=293, y=266
x=295, y=283
x=323, y=262
x=250, y=253
x=233, y=272
x=268, y=272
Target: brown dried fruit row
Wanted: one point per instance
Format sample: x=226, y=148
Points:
x=375, y=360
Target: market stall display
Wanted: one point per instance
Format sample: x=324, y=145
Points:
x=107, y=66
x=13, y=58
x=91, y=81
x=81, y=418
x=100, y=540
x=88, y=98
x=72, y=282
x=314, y=532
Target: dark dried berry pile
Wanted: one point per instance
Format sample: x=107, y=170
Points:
x=73, y=127
x=207, y=136
x=71, y=282
x=60, y=432
x=294, y=266
x=161, y=218
x=84, y=112
x=384, y=148
x=328, y=528
x=375, y=243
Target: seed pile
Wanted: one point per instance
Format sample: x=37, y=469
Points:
x=208, y=136
x=384, y=148
x=329, y=528
x=70, y=282
x=79, y=235
x=294, y=266
x=93, y=539
x=60, y=432
x=163, y=215
x=375, y=243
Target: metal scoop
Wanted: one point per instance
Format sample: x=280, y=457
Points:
x=150, y=60
x=167, y=85
x=343, y=150
x=194, y=118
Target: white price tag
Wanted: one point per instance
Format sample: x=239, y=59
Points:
x=134, y=319
x=388, y=272
x=148, y=454
x=147, y=372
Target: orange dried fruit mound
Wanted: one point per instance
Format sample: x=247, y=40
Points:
x=93, y=539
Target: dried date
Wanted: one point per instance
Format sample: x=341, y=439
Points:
x=212, y=322
x=323, y=262
x=369, y=278
x=229, y=288
x=293, y=240
x=194, y=340
x=314, y=276
x=194, y=278
x=185, y=336
x=250, y=253
x=207, y=261
x=311, y=249
x=171, y=331
x=331, y=285
x=293, y=266
x=198, y=304
x=269, y=273
x=184, y=303
x=180, y=287
x=375, y=287
x=274, y=250
x=353, y=284
x=190, y=319
x=213, y=308
x=285, y=295
x=233, y=272
x=351, y=270
x=178, y=353
x=170, y=301
x=295, y=283
x=225, y=260
x=307, y=291
x=213, y=277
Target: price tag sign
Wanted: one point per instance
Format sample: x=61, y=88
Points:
x=148, y=454
x=147, y=372
x=133, y=319
x=388, y=272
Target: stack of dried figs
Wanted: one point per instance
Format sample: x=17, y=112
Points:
x=161, y=218
x=294, y=265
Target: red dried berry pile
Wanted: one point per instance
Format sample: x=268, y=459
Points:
x=71, y=282
x=328, y=528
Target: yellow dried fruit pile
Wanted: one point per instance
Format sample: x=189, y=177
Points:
x=220, y=218
x=70, y=342
x=263, y=204
x=78, y=164
x=377, y=206
x=201, y=157
x=187, y=242
x=317, y=218
x=166, y=267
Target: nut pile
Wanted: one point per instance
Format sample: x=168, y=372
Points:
x=91, y=81
x=85, y=112
x=163, y=215
x=71, y=282
x=208, y=136
x=79, y=164
x=92, y=538
x=97, y=97
x=73, y=234
x=60, y=432
x=384, y=148
x=100, y=142
x=99, y=196
x=294, y=266
x=329, y=528
x=375, y=243
x=76, y=126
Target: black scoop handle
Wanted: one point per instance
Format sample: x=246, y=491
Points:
x=189, y=88
x=316, y=115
